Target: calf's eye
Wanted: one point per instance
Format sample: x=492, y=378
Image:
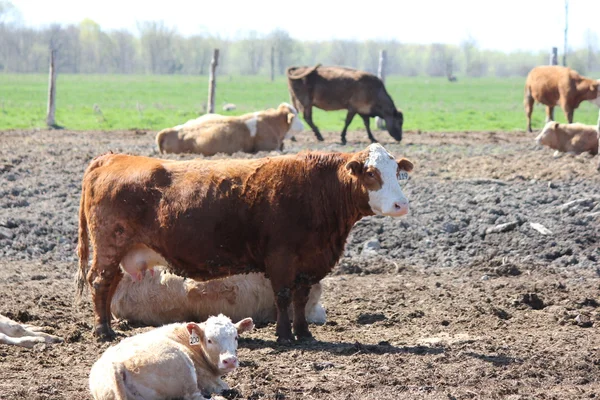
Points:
x=371, y=174
x=209, y=341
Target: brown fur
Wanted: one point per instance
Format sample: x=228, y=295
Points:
x=556, y=85
x=229, y=134
x=339, y=88
x=570, y=138
x=288, y=216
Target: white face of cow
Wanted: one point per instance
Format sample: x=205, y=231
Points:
x=549, y=135
x=296, y=125
x=389, y=199
x=219, y=337
x=380, y=175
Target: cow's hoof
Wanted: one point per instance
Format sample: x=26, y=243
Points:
x=320, y=138
x=104, y=333
x=285, y=341
x=343, y=142
x=306, y=338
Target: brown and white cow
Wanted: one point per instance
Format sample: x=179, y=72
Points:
x=554, y=85
x=288, y=216
x=163, y=298
x=183, y=360
x=24, y=335
x=212, y=133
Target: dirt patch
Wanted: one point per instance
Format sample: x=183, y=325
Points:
x=467, y=297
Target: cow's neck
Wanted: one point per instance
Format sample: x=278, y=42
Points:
x=197, y=352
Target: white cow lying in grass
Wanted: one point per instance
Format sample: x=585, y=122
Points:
x=12, y=332
x=183, y=360
x=162, y=297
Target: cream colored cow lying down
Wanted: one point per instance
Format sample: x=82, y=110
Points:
x=183, y=360
x=238, y=296
x=573, y=138
x=24, y=335
x=212, y=133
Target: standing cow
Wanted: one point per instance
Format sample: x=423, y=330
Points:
x=555, y=85
x=339, y=88
x=288, y=216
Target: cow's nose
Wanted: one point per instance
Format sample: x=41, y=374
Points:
x=400, y=208
x=230, y=361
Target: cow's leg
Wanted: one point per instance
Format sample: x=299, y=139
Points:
x=367, y=121
x=101, y=277
x=349, y=118
x=300, y=298
x=283, y=299
x=569, y=114
x=549, y=113
x=529, y=110
x=308, y=118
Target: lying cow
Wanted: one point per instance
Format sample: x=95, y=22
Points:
x=569, y=138
x=184, y=360
x=288, y=216
x=340, y=88
x=24, y=335
x=143, y=302
x=212, y=133
x=556, y=85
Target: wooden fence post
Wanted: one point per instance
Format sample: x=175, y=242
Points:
x=554, y=56
x=381, y=75
x=272, y=63
x=212, y=81
x=50, y=120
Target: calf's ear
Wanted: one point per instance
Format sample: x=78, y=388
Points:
x=196, y=332
x=245, y=325
x=405, y=165
x=290, y=118
x=354, y=168
x=555, y=126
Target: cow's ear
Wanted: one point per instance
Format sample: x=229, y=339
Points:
x=245, y=325
x=354, y=168
x=290, y=118
x=555, y=126
x=405, y=165
x=196, y=333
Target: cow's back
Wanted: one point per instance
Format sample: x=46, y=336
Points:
x=218, y=136
x=548, y=82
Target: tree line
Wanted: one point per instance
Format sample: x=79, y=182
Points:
x=158, y=49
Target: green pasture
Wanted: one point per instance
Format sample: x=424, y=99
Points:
x=107, y=102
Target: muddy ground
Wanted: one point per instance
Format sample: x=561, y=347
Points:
x=462, y=299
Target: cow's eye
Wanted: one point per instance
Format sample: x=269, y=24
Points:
x=371, y=174
x=209, y=341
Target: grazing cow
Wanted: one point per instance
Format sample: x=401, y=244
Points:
x=183, y=360
x=236, y=296
x=554, y=84
x=288, y=216
x=24, y=335
x=569, y=138
x=212, y=133
x=339, y=88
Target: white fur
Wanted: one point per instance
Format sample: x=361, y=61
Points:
x=295, y=127
x=389, y=200
x=252, y=124
x=237, y=296
x=12, y=332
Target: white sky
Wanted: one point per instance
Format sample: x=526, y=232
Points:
x=505, y=25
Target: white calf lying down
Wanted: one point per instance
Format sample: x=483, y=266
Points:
x=164, y=298
x=12, y=332
x=573, y=138
x=184, y=360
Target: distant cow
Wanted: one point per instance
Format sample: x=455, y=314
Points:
x=183, y=360
x=555, y=85
x=570, y=138
x=339, y=88
x=164, y=298
x=24, y=335
x=212, y=133
x=288, y=216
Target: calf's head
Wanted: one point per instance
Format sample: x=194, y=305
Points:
x=293, y=121
x=218, y=337
x=378, y=175
x=550, y=135
x=393, y=124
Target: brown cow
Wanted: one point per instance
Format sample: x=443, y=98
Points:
x=569, y=138
x=288, y=216
x=340, y=88
x=552, y=85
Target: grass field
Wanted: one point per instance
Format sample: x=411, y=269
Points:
x=107, y=102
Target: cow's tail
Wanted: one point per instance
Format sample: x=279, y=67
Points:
x=528, y=96
x=290, y=72
x=83, y=249
x=160, y=139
